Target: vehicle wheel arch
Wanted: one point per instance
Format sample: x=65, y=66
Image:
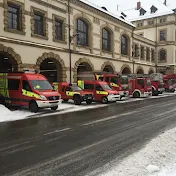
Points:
x=137, y=90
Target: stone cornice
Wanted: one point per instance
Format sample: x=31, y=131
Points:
x=97, y=12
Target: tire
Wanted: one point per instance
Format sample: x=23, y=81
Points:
x=89, y=102
x=65, y=100
x=54, y=108
x=33, y=107
x=2, y=100
x=77, y=100
x=104, y=100
x=136, y=95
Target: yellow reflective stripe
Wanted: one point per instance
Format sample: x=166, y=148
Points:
x=4, y=86
x=101, y=93
x=69, y=93
x=29, y=94
x=81, y=84
x=114, y=85
x=55, y=85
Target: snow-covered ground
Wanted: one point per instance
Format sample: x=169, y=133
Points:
x=157, y=158
x=7, y=115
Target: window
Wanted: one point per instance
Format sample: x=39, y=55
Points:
x=153, y=55
x=99, y=88
x=136, y=50
x=63, y=89
x=107, y=79
x=38, y=24
x=106, y=40
x=151, y=22
x=124, y=45
x=88, y=86
x=13, y=17
x=140, y=24
x=148, y=54
x=13, y=84
x=58, y=30
x=26, y=86
x=142, y=52
x=163, y=35
x=82, y=30
x=162, y=55
x=162, y=20
x=68, y=89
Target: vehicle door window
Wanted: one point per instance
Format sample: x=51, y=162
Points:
x=68, y=89
x=26, y=86
x=13, y=84
x=141, y=82
x=114, y=80
x=99, y=88
x=88, y=86
x=107, y=79
x=63, y=88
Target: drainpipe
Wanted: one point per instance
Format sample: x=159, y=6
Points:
x=156, y=61
x=133, y=49
x=69, y=36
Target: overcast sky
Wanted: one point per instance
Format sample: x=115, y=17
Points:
x=111, y=5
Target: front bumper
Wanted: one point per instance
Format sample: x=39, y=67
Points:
x=112, y=98
x=161, y=90
x=124, y=93
x=146, y=94
x=48, y=104
x=86, y=97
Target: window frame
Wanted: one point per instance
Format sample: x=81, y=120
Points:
x=165, y=35
x=85, y=33
x=126, y=51
x=164, y=51
x=106, y=39
x=41, y=22
x=60, y=27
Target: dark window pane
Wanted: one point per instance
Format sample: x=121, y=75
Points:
x=38, y=24
x=162, y=55
x=124, y=45
x=162, y=35
x=88, y=86
x=13, y=17
x=58, y=28
x=26, y=86
x=82, y=29
x=13, y=84
x=106, y=40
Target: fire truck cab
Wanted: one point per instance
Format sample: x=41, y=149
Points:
x=73, y=92
x=139, y=85
x=157, y=83
x=101, y=91
x=169, y=83
x=28, y=89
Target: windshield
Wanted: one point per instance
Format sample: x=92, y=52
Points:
x=148, y=82
x=76, y=88
x=114, y=80
x=105, y=87
x=124, y=80
x=41, y=85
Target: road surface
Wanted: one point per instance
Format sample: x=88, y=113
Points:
x=68, y=145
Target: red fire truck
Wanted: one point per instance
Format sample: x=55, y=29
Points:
x=139, y=85
x=28, y=89
x=73, y=92
x=157, y=83
x=169, y=82
x=101, y=91
x=115, y=81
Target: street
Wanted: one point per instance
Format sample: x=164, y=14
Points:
x=78, y=143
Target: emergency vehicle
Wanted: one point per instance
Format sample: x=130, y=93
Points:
x=139, y=85
x=115, y=81
x=101, y=91
x=73, y=92
x=157, y=83
x=28, y=89
x=169, y=83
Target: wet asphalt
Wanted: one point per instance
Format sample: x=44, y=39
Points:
x=77, y=143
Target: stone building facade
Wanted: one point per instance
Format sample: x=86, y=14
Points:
x=35, y=34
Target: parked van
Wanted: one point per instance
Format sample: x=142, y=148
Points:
x=28, y=89
x=101, y=91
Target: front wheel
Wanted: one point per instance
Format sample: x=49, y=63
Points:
x=77, y=100
x=89, y=102
x=136, y=95
x=54, y=108
x=104, y=100
x=33, y=107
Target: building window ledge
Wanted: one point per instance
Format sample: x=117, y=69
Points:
x=107, y=52
x=14, y=31
x=59, y=41
x=39, y=36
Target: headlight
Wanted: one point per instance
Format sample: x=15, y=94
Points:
x=42, y=97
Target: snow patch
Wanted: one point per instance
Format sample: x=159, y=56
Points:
x=157, y=158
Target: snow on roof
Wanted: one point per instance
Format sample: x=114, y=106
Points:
x=134, y=14
x=107, y=12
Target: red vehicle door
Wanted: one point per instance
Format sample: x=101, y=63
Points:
x=14, y=91
x=98, y=90
x=68, y=92
x=63, y=93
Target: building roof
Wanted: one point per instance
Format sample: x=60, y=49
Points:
x=134, y=14
x=107, y=12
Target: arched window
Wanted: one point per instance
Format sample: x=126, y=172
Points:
x=82, y=30
x=106, y=40
x=124, y=45
x=163, y=55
